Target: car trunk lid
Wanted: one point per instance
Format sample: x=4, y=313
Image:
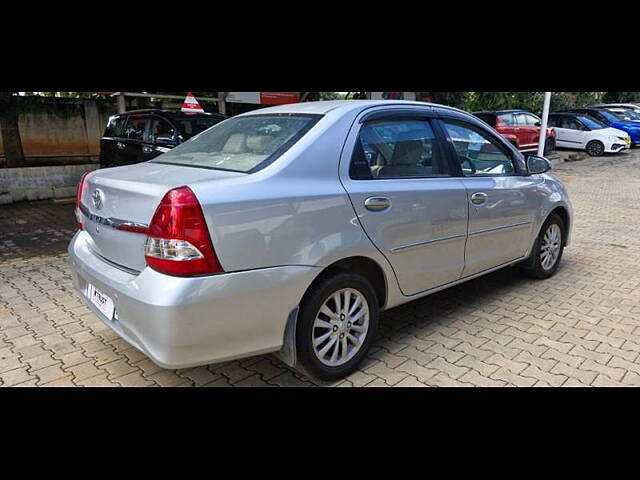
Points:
x=125, y=198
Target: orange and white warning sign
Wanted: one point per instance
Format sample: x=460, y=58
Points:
x=191, y=105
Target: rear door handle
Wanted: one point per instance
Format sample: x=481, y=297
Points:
x=377, y=204
x=478, y=198
x=120, y=145
x=147, y=149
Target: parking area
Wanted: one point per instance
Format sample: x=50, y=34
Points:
x=581, y=327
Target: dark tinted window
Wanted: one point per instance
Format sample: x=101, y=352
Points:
x=553, y=121
x=190, y=125
x=488, y=118
x=399, y=148
x=161, y=128
x=478, y=153
x=115, y=127
x=134, y=129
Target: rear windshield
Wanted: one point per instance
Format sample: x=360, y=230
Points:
x=241, y=144
x=190, y=125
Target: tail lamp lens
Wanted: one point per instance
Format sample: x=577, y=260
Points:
x=79, y=193
x=178, y=241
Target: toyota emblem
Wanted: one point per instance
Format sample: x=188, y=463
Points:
x=97, y=199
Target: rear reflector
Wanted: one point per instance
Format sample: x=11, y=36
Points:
x=178, y=241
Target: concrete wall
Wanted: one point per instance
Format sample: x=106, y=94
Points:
x=61, y=131
x=40, y=183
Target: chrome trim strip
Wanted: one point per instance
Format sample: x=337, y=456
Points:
x=420, y=244
x=109, y=222
x=495, y=229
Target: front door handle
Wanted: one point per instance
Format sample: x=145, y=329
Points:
x=120, y=145
x=478, y=198
x=377, y=204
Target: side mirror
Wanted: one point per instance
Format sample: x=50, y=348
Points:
x=538, y=124
x=537, y=165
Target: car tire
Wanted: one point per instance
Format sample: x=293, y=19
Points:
x=549, y=146
x=325, y=344
x=595, y=148
x=546, y=254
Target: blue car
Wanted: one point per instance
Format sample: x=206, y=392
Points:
x=611, y=120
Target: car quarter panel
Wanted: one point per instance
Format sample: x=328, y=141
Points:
x=293, y=212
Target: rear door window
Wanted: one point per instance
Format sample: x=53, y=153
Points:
x=398, y=148
x=135, y=128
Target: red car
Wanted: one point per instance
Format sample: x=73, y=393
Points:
x=520, y=127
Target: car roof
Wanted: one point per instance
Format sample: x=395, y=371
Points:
x=324, y=107
x=497, y=112
x=621, y=105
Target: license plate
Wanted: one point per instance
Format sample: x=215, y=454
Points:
x=101, y=301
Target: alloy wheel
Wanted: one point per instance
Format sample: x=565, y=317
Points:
x=550, y=247
x=595, y=149
x=340, y=327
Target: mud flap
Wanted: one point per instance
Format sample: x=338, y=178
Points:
x=288, y=351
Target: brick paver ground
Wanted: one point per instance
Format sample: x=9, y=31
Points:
x=582, y=327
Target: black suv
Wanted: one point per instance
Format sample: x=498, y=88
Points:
x=140, y=135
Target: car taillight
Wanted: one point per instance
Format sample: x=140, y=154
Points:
x=81, y=186
x=178, y=241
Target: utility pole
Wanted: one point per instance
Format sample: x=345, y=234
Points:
x=122, y=103
x=545, y=121
x=222, y=104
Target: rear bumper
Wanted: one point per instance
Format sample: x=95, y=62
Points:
x=184, y=322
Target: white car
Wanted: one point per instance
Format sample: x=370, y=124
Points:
x=626, y=106
x=581, y=132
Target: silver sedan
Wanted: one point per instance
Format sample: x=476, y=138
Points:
x=289, y=229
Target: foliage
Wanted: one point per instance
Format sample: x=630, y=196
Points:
x=621, y=97
x=531, y=101
x=470, y=101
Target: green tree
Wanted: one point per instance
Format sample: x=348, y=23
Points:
x=621, y=97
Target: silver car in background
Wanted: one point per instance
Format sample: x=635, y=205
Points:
x=289, y=229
